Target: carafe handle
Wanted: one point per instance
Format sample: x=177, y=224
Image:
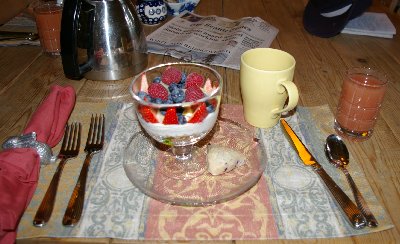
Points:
x=72, y=12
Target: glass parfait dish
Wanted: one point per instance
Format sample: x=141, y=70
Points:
x=177, y=104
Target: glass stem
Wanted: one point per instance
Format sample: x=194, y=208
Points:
x=182, y=152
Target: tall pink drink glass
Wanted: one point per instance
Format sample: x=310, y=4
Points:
x=361, y=98
x=48, y=22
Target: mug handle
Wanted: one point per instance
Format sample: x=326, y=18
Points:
x=293, y=95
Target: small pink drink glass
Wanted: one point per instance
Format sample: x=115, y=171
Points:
x=362, y=94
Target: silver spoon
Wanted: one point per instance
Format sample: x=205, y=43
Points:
x=338, y=155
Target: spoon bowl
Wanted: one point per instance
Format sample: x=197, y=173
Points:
x=336, y=151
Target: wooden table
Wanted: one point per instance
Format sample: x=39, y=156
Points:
x=26, y=76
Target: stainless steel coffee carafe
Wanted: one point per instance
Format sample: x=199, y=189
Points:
x=102, y=40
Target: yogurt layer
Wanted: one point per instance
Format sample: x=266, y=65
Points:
x=188, y=129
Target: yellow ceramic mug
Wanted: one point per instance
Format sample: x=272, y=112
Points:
x=266, y=76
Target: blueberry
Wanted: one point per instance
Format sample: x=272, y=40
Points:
x=183, y=78
x=181, y=119
x=181, y=96
x=210, y=108
x=175, y=92
x=172, y=87
x=163, y=111
x=157, y=100
x=142, y=94
x=178, y=95
x=179, y=110
x=181, y=85
x=157, y=79
x=182, y=82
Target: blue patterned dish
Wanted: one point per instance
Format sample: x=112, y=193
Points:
x=175, y=8
x=151, y=12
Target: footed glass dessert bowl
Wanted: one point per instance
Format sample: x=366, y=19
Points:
x=177, y=105
x=189, y=150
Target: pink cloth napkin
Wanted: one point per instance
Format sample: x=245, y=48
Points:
x=19, y=168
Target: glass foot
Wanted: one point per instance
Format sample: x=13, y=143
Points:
x=187, y=167
x=352, y=135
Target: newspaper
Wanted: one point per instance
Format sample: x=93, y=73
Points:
x=210, y=39
x=371, y=24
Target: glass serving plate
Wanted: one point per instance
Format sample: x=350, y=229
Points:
x=142, y=154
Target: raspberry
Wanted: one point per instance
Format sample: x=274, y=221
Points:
x=156, y=90
x=193, y=93
x=199, y=114
x=170, y=117
x=194, y=79
x=171, y=75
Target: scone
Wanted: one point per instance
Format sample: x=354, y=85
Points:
x=222, y=159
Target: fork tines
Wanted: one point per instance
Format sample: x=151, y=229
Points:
x=73, y=132
x=96, y=131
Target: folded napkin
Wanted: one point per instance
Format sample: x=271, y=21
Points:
x=19, y=167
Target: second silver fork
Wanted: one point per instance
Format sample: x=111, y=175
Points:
x=69, y=149
x=94, y=144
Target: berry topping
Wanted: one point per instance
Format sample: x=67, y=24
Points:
x=172, y=87
x=194, y=79
x=170, y=117
x=157, y=90
x=171, y=75
x=182, y=119
x=211, y=105
x=177, y=95
x=193, y=93
x=183, y=79
x=142, y=94
x=157, y=79
x=199, y=114
x=144, y=86
x=147, y=114
x=208, y=87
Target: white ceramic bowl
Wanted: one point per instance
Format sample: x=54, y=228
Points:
x=175, y=8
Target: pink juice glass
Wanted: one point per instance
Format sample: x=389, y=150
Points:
x=361, y=98
x=48, y=22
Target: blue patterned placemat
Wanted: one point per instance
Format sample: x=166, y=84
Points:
x=301, y=207
x=304, y=207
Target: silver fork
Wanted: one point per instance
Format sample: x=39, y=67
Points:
x=69, y=149
x=94, y=144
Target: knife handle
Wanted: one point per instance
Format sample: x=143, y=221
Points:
x=353, y=214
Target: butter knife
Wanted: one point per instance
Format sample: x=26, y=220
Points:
x=351, y=211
